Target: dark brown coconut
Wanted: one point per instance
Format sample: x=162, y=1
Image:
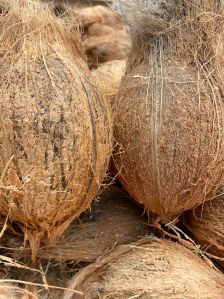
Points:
x=169, y=112
x=55, y=128
x=207, y=225
x=147, y=269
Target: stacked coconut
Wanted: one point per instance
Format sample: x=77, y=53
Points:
x=56, y=138
x=106, y=44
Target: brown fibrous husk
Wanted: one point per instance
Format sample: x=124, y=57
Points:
x=103, y=48
x=108, y=77
x=150, y=268
x=105, y=37
x=169, y=112
x=113, y=220
x=9, y=291
x=56, y=138
x=98, y=14
x=207, y=225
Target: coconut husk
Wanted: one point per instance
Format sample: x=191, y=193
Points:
x=86, y=239
x=55, y=126
x=104, y=36
x=100, y=49
x=98, y=14
x=150, y=268
x=207, y=225
x=169, y=112
x=8, y=291
x=108, y=76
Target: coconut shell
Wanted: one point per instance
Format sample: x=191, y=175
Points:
x=86, y=239
x=207, y=225
x=169, y=115
x=108, y=76
x=55, y=126
x=150, y=268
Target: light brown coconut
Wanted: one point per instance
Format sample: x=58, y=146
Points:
x=55, y=127
x=108, y=76
x=150, y=268
x=113, y=220
x=105, y=37
x=169, y=112
x=97, y=14
x=207, y=225
x=8, y=291
x=100, y=49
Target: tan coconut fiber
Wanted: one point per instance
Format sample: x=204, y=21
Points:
x=207, y=225
x=9, y=291
x=113, y=220
x=108, y=76
x=97, y=14
x=169, y=112
x=55, y=127
x=150, y=268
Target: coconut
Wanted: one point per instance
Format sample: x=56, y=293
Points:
x=169, y=112
x=55, y=127
x=103, y=48
x=207, y=224
x=98, y=14
x=150, y=268
x=8, y=291
x=86, y=239
x=108, y=76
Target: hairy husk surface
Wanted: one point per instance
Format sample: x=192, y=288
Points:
x=113, y=220
x=150, y=268
x=55, y=128
x=169, y=112
x=207, y=224
x=9, y=291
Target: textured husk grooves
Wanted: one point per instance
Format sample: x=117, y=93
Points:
x=150, y=268
x=207, y=224
x=113, y=220
x=169, y=112
x=55, y=128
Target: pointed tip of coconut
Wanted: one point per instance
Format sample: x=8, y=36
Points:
x=146, y=16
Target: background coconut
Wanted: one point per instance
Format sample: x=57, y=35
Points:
x=150, y=268
x=207, y=225
x=104, y=36
x=169, y=112
x=8, y=291
x=55, y=126
x=108, y=76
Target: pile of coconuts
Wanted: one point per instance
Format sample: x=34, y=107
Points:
x=56, y=141
x=169, y=137
x=56, y=131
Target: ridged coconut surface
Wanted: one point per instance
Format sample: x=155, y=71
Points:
x=169, y=112
x=55, y=128
x=148, y=269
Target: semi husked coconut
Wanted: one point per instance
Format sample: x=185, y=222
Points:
x=169, y=112
x=150, y=268
x=55, y=127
